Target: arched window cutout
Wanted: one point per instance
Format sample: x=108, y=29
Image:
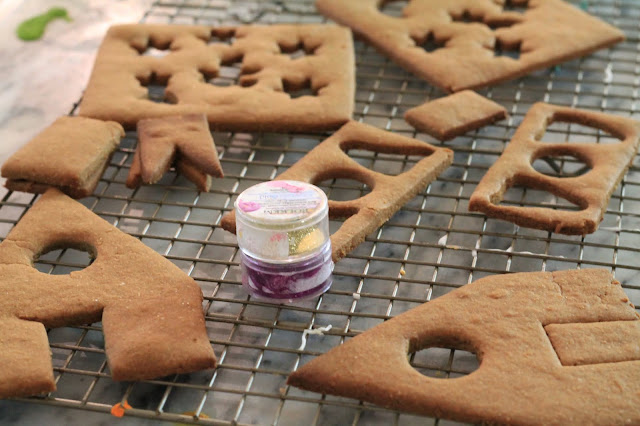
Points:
x=430, y=44
x=518, y=6
x=512, y=52
x=222, y=36
x=156, y=90
x=298, y=90
x=297, y=51
x=63, y=261
x=228, y=75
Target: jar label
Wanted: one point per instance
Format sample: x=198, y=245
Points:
x=281, y=201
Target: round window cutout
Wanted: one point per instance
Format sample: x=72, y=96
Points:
x=63, y=261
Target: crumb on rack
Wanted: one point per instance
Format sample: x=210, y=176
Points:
x=118, y=409
x=319, y=330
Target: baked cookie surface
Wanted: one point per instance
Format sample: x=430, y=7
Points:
x=389, y=193
x=554, y=348
x=151, y=311
x=270, y=76
x=181, y=140
x=454, y=115
x=471, y=37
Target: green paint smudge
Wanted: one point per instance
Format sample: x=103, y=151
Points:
x=33, y=28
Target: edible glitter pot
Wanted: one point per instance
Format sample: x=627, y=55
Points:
x=283, y=234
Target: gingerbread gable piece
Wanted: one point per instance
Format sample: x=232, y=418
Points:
x=467, y=44
x=554, y=348
x=151, y=311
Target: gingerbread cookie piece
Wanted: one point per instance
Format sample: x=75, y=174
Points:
x=264, y=100
x=151, y=311
x=464, y=40
x=71, y=155
x=510, y=322
x=181, y=139
x=388, y=193
x=590, y=192
x=454, y=115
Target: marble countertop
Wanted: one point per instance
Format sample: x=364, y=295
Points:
x=32, y=92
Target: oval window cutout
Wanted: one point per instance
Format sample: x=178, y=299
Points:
x=444, y=363
x=561, y=166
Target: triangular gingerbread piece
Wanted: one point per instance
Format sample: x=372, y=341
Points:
x=151, y=311
x=526, y=330
x=181, y=139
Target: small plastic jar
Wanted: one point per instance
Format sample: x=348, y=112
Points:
x=283, y=234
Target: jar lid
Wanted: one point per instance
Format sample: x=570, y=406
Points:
x=281, y=205
x=282, y=221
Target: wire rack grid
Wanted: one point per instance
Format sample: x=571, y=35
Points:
x=430, y=247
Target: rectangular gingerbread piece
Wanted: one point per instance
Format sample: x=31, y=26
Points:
x=590, y=192
x=454, y=115
x=291, y=77
x=71, y=155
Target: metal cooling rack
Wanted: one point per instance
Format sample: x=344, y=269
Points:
x=430, y=247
